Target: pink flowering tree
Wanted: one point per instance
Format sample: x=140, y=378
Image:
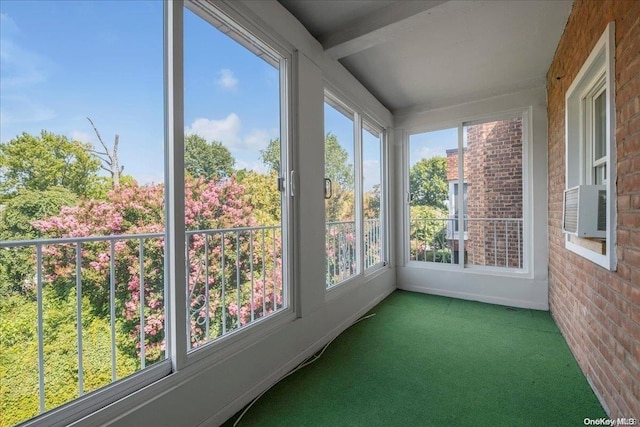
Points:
x=234, y=269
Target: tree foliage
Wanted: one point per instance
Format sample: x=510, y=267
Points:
x=41, y=162
x=428, y=182
x=17, y=264
x=209, y=205
x=271, y=155
x=19, y=349
x=337, y=166
x=263, y=194
x=428, y=232
x=336, y=163
x=208, y=160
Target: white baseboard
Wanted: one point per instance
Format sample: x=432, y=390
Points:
x=475, y=297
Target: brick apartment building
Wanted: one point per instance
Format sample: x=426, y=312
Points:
x=492, y=193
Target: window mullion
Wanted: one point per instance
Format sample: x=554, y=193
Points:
x=175, y=285
x=460, y=196
x=358, y=199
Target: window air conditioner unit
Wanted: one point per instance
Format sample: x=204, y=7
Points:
x=585, y=211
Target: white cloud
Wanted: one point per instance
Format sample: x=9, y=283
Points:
x=258, y=139
x=81, y=136
x=226, y=130
x=226, y=79
x=425, y=152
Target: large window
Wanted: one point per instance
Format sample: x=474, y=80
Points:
x=342, y=234
x=485, y=160
x=143, y=214
x=82, y=298
x=354, y=192
x=589, y=202
x=373, y=204
x=235, y=146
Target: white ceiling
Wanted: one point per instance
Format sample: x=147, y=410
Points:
x=422, y=54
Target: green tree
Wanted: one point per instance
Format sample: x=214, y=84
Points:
x=428, y=234
x=208, y=160
x=17, y=264
x=41, y=162
x=264, y=196
x=341, y=205
x=271, y=155
x=371, y=203
x=337, y=166
x=428, y=182
x=336, y=163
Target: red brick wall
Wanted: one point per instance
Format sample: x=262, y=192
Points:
x=452, y=165
x=494, y=190
x=598, y=311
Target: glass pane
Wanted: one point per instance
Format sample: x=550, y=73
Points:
x=600, y=126
x=232, y=160
x=433, y=179
x=340, y=208
x=493, y=170
x=372, y=193
x=82, y=104
x=601, y=174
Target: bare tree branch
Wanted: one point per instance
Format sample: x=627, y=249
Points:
x=111, y=160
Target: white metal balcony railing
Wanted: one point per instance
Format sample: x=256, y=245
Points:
x=341, y=248
x=494, y=242
x=234, y=278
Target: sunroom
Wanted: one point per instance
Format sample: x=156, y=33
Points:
x=197, y=196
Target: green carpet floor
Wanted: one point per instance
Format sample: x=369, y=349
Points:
x=425, y=360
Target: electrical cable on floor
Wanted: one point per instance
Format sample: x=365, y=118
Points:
x=306, y=362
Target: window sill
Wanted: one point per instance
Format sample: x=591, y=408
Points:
x=603, y=260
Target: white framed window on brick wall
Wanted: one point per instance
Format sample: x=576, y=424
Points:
x=589, y=204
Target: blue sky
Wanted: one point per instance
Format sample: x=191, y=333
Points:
x=62, y=61
x=430, y=144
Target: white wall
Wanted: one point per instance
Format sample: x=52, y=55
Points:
x=212, y=389
x=529, y=289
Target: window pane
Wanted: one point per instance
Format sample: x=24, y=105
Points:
x=600, y=126
x=82, y=104
x=493, y=170
x=232, y=160
x=372, y=196
x=601, y=174
x=340, y=208
x=433, y=179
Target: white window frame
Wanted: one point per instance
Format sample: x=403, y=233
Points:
x=341, y=106
x=596, y=76
x=342, y=103
x=382, y=135
x=274, y=52
x=527, y=201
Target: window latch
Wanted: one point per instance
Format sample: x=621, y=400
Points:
x=328, y=189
